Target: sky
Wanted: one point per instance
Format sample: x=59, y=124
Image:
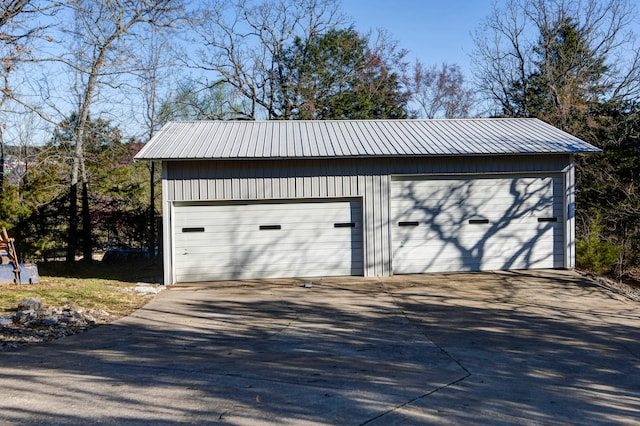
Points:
x=434, y=31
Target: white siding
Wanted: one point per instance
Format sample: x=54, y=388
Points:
x=368, y=179
x=477, y=223
x=216, y=241
x=569, y=184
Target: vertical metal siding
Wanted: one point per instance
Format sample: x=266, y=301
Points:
x=167, y=238
x=560, y=236
x=342, y=178
x=569, y=209
x=370, y=185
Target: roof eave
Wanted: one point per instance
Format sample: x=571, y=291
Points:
x=346, y=157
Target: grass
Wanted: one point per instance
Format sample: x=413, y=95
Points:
x=109, y=287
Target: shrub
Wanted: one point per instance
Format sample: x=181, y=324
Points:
x=594, y=253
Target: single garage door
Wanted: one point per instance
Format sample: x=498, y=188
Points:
x=267, y=240
x=477, y=223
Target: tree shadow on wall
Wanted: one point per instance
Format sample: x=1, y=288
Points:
x=479, y=224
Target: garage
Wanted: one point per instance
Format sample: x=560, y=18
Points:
x=271, y=239
x=266, y=199
x=475, y=223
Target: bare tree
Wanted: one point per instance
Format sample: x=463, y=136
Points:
x=245, y=43
x=202, y=100
x=557, y=49
x=440, y=92
x=18, y=28
x=101, y=49
x=156, y=65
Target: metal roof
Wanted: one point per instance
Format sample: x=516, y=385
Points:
x=195, y=140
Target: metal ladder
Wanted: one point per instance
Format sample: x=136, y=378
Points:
x=7, y=244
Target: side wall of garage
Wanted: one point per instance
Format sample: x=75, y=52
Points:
x=368, y=179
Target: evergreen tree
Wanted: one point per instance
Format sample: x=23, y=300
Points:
x=337, y=75
x=566, y=84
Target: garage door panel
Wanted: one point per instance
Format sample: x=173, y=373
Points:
x=412, y=226
x=300, y=239
x=241, y=267
x=206, y=247
x=472, y=264
x=212, y=218
x=339, y=237
x=272, y=254
x=450, y=191
x=524, y=230
x=434, y=248
x=457, y=265
x=250, y=272
x=434, y=186
x=272, y=229
x=305, y=207
x=307, y=226
x=300, y=269
x=424, y=234
x=476, y=206
x=462, y=219
x=452, y=261
x=452, y=197
x=496, y=208
x=488, y=247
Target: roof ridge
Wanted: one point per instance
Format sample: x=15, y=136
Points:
x=406, y=120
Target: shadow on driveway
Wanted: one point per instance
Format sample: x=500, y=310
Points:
x=498, y=348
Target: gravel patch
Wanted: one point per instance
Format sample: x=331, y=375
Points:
x=43, y=325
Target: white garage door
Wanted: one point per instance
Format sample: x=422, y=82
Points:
x=479, y=223
x=267, y=240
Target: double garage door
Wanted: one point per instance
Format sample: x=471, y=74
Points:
x=436, y=224
x=267, y=239
x=477, y=223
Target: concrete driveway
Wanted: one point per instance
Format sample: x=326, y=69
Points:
x=482, y=348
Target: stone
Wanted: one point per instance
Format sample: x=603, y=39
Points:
x=46, y=324
x=49, y=322
x=143, y=288
x=24, y=316
x=30, y=304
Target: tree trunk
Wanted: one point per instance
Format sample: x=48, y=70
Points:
x=72, y=235
x=76, y=169
x=87, y=241
x=87, y=246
